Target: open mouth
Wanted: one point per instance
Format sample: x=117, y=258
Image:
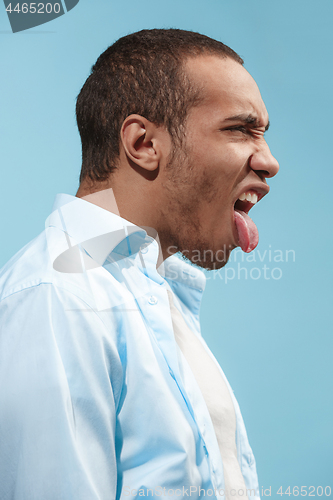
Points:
x=248, y=236
x=246, y=201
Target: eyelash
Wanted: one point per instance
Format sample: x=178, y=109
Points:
x=242, y=129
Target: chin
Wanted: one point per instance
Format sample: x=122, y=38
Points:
x=208, y=259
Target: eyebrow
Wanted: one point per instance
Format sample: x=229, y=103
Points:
x=248, y=119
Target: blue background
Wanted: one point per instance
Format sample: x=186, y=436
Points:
x=273, y=337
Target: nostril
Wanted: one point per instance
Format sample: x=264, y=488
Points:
x=266, y=173
x=262, y=174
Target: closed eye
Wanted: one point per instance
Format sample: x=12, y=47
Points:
x=246, y=130
x=238, y=128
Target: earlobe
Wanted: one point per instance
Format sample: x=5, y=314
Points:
x=137, y=137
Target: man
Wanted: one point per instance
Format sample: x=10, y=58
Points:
x=107, y=388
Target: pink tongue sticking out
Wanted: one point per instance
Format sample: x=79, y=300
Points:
x=248, y=236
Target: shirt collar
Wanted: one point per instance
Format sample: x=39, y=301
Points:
x=106, y=236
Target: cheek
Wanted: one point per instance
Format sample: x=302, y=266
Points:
x=224, y=160
x=239, y=152
x=221, y=175
x=231, y=170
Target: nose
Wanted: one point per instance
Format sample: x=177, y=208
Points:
x=263, y=162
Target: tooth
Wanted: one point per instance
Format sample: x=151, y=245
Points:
x=248, y=197
x=242, y=197
x=254, y=198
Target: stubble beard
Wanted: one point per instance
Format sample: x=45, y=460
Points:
x=184, y=232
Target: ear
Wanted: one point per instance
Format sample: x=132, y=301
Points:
x=142, y=143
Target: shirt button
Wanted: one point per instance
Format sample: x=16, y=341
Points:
x=250, y=459
x=152, y=300
x=144, y=249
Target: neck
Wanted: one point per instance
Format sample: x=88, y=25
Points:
x=105, y=197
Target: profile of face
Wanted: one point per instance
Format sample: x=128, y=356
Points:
x=220, y=171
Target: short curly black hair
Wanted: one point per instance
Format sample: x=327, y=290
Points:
x=140, y=73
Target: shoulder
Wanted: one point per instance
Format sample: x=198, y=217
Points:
x=36, y=265
x=53, y=327
x=33, y=293
x=25, y=269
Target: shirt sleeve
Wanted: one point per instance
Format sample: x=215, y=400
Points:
x=60, y=377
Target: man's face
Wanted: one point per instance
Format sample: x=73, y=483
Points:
x=223, y=156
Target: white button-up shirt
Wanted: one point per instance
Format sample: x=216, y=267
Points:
x=92, y=402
